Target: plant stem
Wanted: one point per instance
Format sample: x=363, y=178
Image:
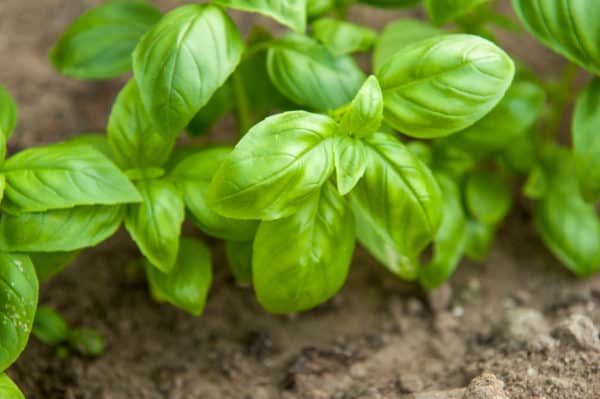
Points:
x=242, y=108
x=562, y=101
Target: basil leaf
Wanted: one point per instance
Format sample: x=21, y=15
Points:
x=451, y=160
x=586, y=140
x=87, y=342
x=275, y=168
x=133, y=139
x=50, y=327
x=49, y=264
x=442, y=11
x=442, y=85
x=8, y=113
x=306, y=73
x=449, y=243
x=318, y=7
x=488, y=197
x=155, y=224
x=182, y=61
x=193, y=175
x=239, y=258
x=2, y=186
x=8, y=389
x=219, y=104
x=302, y=260
x=19, y=291
x=186, y=285
x=341, y=37
x=571, y=28
x=98, y=44
x=291, y=13
x=364, y=114
x=398, y=35
x=59, y=230
x=95, y=140
x=480, y=237
x=350, y=162
x=57, y=177
x=391, y=3
x=397, y=205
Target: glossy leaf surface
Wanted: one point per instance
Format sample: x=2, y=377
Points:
x=351, y=161
x=365, y=113
x=291, y=13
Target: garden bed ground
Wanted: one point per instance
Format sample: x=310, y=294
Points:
x=379, y=338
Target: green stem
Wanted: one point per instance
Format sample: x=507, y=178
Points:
x=242, y=107
x=562, y=101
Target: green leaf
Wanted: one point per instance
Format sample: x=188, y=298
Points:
x=155, y=224
x=397, y=205
x=571, y=28
x=8, y=113
x=449, y=243
x=365, y=113
x=87, y=341
x=98, y=44
x=341, y=37
x=351, y=161
x=19, y=293
x=186, y=285
x=182, y=62
x=442, y=85
x=50, y=327
x=97, y=141
x=442, y=11
x=586, y=140
x=488, y=197
x=302, y=260
x=193, y=175
x=8, y=389
x=276, y=167
x=49, y=264
x=318, y=7
x=239, y=258
x=63, y=176
x=2, y=186
x=219, y=104
x=451, y=160
x=308, y=74
x=291, y=13
x=398, y=35
x=60, y=230
x=391, y=3
x=135, y=142
x=480, y=237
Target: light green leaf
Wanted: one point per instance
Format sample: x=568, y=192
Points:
x=8, y=114
x=318, y=7
x=97, y=141
x=351, y=161
x=49, y=264
x=487, y=197
x=442, y=85
x=19, y=293
x=276, y=167
x=155, y=224
x=397, y=205
x=398, y=35
x=8, y=389
x=134, y=140
x=306, y=73
x=239, y=258
x=442, y=11
x=391, y=3
x=302, y=260
x=193, y=175
x=57, y=177
x=182, y=61
x=291, y=13
x=60, y=230
x=50, y=327
x=364, y=114
x=98, y=44
x=186, y=285
x=586, y=140
x=569, y=27
x=2, y=186
x=341, y=37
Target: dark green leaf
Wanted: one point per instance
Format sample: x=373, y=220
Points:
x=239, y=257
x=391, y=3
x=442, y=11
x=488, y=197
x=480, y=237
x=50, y=327
x=87, y=341
x=219, y=104
x=341, y=37
x=291, y=13
x=49, y=264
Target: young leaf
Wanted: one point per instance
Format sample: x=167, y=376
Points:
x=442, y=11
x=391, y=3
x=60, y=230
x=193, y=175
x=239, y=258
x=302, y=260
x=488, y=197
x=98, y=44
x=133, y=138
x=586, y=140
x=397, y=205
x=479, y=240
x=341, y=37
x=182, y=61
x=365, y=113
x=87, y=341
x=571, y=28
x=8, y=114
x=441, y=85
x=186, y=285
x=399, y=34
x=275, y=168
x=8, y=389
x=17, y=308
x=50, y=327
x=291, y=13
x=306, y=73
x=350, y=162
x=49, y=264
x=318, y=7
x=155, y=224
x=57, y=177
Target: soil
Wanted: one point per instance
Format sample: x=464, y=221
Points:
x=506, y=328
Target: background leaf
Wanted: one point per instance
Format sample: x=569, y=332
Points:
x=49, y=264
x=239, y=258
x=8, y=113
x=488, y=197
x=442, y=11
x=291, y=13
x=341, y=37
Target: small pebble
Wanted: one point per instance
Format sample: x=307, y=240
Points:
x=486, y=386
x=579, y=331
x=409, y=383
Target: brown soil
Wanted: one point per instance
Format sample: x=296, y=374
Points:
x=379, y=338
